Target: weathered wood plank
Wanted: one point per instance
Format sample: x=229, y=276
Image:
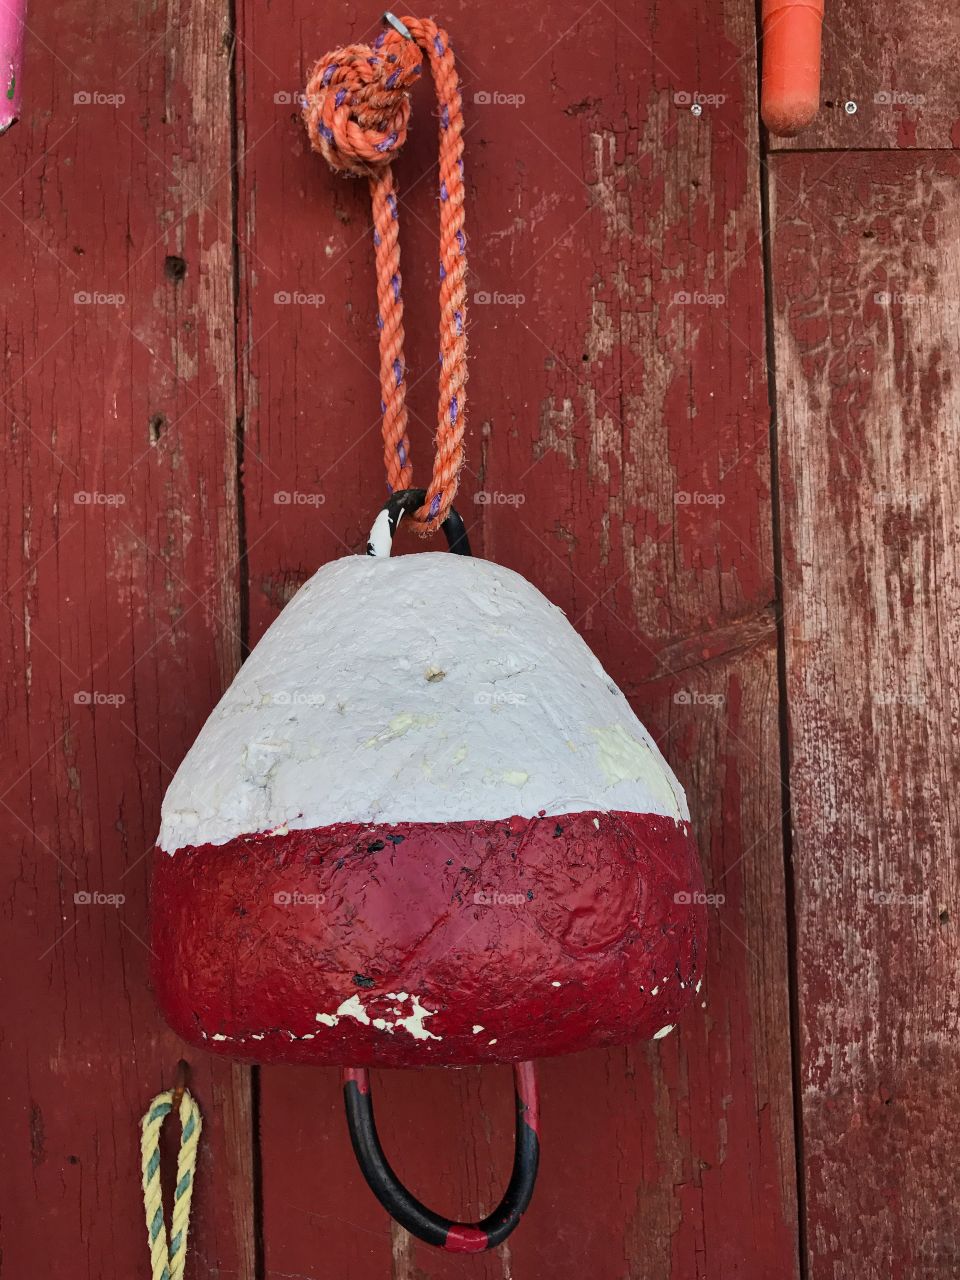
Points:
x=867, y=277
x=899, y=63
x=620, y=438
x=120, y=613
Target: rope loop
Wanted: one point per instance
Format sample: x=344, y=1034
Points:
x=357, y=112
x=168, y=1255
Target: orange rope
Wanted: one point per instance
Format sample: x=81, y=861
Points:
x=357, y=111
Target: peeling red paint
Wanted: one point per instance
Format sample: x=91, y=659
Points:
x=467, y=941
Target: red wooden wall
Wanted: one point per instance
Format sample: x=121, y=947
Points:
x=721, y=419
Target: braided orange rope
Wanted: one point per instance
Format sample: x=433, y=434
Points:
x=357, y=111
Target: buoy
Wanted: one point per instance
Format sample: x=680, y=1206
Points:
x=423, y=826
x=12, y=26
x=790, y=64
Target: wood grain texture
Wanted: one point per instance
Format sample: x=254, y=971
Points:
x=618, y=456
x=866, y=334
x=120, y=613
x=900, y=64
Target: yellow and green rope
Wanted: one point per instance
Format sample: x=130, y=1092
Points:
x=168, y=1255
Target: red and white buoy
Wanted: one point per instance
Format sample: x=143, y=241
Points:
x=423, y=826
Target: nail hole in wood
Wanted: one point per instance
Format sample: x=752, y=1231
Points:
x=175, y=268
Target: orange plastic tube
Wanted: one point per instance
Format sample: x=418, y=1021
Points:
x=790, y=84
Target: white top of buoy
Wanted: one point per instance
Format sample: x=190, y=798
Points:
x=424, y=688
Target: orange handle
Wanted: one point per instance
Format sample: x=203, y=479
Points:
x=790, y=87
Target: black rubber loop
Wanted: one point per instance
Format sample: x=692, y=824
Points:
x=404, y=502
x=433, y=1228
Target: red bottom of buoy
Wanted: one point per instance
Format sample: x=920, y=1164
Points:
x=420, y=944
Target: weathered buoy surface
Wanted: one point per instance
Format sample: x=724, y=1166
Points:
x=423, y=826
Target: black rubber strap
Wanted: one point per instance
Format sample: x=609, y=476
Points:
x=405, y=501
x=459, y=1237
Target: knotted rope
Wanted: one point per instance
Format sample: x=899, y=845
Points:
x=357, y=111
x=168, y=1258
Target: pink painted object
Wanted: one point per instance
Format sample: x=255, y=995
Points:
x=12, y=15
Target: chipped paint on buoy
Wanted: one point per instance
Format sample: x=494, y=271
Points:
x=504, y=846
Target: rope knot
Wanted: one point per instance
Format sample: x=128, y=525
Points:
x=357, y=109
x=358, y=102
